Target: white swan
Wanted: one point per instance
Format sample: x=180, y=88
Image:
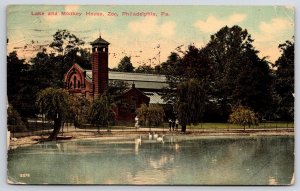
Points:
x=155, y=136
x=160, y=139
x=150, y=136
x=138, y=140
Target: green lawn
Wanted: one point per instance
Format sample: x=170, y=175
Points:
x=233, y=126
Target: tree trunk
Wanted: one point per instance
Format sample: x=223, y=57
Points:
x=183, y=127
x=56, y=128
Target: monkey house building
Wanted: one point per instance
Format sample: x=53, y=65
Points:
x=146, y=88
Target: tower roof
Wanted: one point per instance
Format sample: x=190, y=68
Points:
x=100, y=41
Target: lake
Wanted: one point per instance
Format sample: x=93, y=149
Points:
x=180, y=160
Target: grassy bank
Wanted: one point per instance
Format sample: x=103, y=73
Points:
x=265, y=125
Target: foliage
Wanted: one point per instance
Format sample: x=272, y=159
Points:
x=78, y=110
x=14, y=120
x=191, y=102
x=64, y=42
x=284, y=83
x=45, y=70
x=54, y=103
x=151, y=115
x=145, y=69
x=101, y=113
x=18, y=81
x=243, y=116
x=115, y=89
x=240, y=76
x=125, y=65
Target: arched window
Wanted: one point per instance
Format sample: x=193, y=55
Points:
x=75, y=82
x=78, y=84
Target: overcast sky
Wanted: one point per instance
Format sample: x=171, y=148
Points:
x=143, y=37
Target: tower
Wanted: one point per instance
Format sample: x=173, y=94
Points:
x=100, y=66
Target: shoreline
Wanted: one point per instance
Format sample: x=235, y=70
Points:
x=116, y=134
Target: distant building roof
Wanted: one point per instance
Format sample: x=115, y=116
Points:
x=100, y=41
x=141, y=80
x=155, y=97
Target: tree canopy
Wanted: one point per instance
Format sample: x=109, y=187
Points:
x=243, y=116
x=284, y=81
x=54, y=103
x=125, y=65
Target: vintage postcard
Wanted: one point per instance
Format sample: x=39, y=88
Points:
x=150, y=95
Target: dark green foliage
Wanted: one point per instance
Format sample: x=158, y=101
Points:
x=18, y=85
x=284, y=83
x=240, y=76
x=78, y=110
x=45, y=70
x=125, y=65
x=115, y=89
x=14, y=120
x=151, y=115
x=101, y=113
x=54, y=103
x=190, y=106
x=64, y=42
x=145, y=69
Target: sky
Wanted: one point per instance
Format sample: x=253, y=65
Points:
x=148, y=39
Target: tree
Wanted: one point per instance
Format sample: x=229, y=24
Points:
x=79, y=107
x=17, y=83
x=14, y=120
x=243, y=116
x=100, y=113
x=151, y=115
x=190, y=105
x=53, y=102
x=65, y=42
x=284, y=80
x=239, y=75
x=125, y=65
x=145, y=69
x=115, y=89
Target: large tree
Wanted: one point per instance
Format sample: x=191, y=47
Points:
x=54, y=103
x=193, y=68
x=190, y=106
x=125, y=65
x=100, y=113
x=240, y=75
x=18, y=85
x=284, y=81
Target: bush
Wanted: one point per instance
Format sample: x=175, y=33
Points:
x=14, y=121
x=151, y=115
x=243, y=116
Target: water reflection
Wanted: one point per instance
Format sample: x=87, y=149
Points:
x=180, y=160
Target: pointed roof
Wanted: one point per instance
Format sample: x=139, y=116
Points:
x=100, y=41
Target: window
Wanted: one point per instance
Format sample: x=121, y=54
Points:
x=75, y=82
x=78, y=84
x=133, y=105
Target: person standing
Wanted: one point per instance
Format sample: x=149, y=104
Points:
x=136, y=122
x=173, y=124
x=177, y=124
x=170, y=124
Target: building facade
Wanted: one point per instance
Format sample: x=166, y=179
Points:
x=145, y=88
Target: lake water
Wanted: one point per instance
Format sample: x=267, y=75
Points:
x=179, y=160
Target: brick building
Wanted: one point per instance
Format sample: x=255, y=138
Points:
x=145, y=88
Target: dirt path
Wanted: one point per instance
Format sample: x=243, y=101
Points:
x=79, y=134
